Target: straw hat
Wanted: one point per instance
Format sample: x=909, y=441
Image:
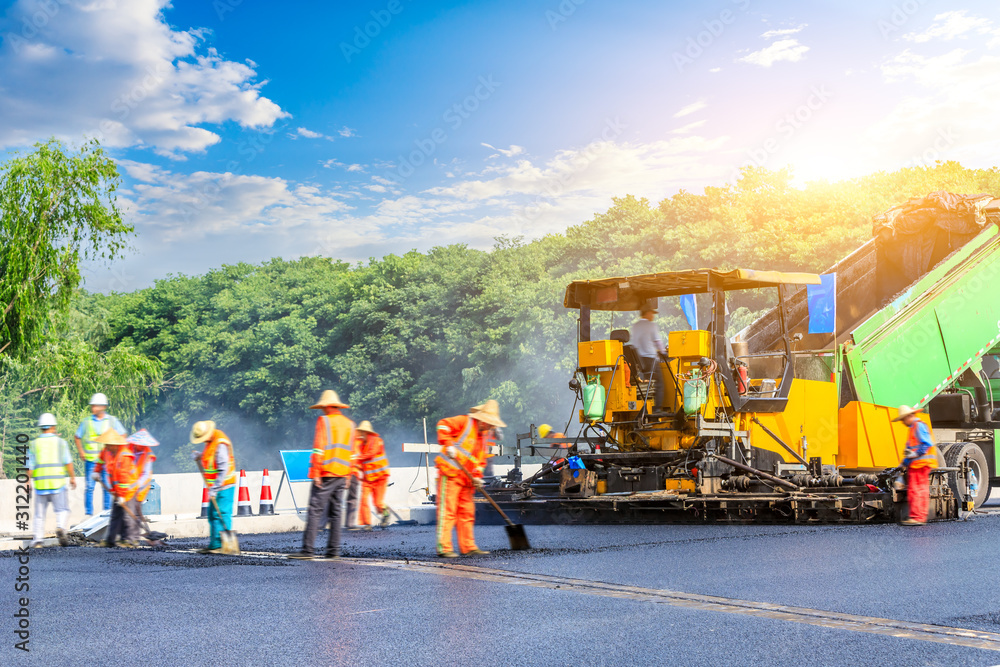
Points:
x=329, y=399
x=488, y=413
x=904, y=412
x=202, y=431
x=112, y=437
x=365, y=427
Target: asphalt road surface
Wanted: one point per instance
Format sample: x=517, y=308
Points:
x=591, y=595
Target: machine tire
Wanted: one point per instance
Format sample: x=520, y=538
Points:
x=954, y=455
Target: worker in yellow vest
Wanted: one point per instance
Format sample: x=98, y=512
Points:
x=90, y=450
x=50, y=465
x=218, y=466
x=329, y=468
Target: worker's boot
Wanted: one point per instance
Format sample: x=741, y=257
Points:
x=329, y=555
x=477, y=552
x=37, y=544
x=63, y=540
x=385, y=518
x=302, y=555
x=448, y=554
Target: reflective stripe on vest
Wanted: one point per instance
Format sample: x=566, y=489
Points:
x=123, y=474
x=335, y=459
x=463, y=445
x=49, y=472
x=378, y=464
x=145, y=459
x=208, y=461
x=92, y=448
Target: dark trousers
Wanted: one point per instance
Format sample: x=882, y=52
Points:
x=121, y=524
x=353, y=496
x=652, y=364
x=324, y=504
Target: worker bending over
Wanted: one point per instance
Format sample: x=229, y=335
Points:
x=90, y=450
x=329, y=468
x=919, y=459
x=217, y=463
x=375, y=467
x=464, y=445
x=124, y=481
x=50, y=464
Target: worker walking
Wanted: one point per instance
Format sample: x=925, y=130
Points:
x=645, y=337
x=329, y=468
x=919, y=459
x=124, y=478
x=218, y=467
x=90, y=450
x=50, y=464
x=464, y=442
x=375, y=467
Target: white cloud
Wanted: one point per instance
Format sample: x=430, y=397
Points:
x=309, y=134
x=691, y=108
x=347, y=132
x=771, y=34
x=509, y=152
x=949, y=25
x=689, y=128
x=784, y=49
x=715, y=70
x=115, y=69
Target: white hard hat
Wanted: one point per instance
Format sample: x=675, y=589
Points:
x=99, y=399
x=47, y=420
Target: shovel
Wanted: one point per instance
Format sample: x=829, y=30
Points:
x=230, y=544
x=150, y=535
x=515, y=531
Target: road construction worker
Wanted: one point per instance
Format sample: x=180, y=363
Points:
x=645, y=337
x=464, y=442
x=90, y=450
x=51, y=465
x=217, y=463
x=355, y=483
x=375, y=466
x=142, y=444
x=918, y=460
x=124, y=478
x=329, y=468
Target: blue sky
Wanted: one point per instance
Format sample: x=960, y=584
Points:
x=247, y=131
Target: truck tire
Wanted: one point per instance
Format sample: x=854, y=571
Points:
x=953, y=456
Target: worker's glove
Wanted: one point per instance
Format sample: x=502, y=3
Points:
x=195, y=455
x=477, y=482
x=212, y=493
x=120, y=501
x=451, y=452
x=96, y=476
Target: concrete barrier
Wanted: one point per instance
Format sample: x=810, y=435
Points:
x=181, y=497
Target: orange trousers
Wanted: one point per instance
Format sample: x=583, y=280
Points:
x=372, y=492
x=918, y=492
x=455, y=509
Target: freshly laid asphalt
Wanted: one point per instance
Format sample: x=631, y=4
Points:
x=158, y=607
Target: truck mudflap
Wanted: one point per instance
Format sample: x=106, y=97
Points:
x=835, y=505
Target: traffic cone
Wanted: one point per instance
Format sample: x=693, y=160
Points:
x=266, y=502
x=204, y=503
x=243, y=502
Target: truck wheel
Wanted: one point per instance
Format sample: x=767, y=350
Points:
x=978, y=466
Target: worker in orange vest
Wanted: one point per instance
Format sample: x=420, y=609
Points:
x=329, y=468
x=124, y=478
x=142, y=444
x=218, y=466
x=355, y=483
x=919, y=459
x=464, y=442
x=375, y=466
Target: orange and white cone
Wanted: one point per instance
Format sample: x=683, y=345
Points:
x=266, y=502
x=243, y=502
x=204, y=503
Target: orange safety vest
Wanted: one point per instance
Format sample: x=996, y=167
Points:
x=929, y=458
x=208, y=461
x=144, y=456
x=104, y=460
x=124, y=474
x=461, y=432
x=334, y=447
x=376, y=464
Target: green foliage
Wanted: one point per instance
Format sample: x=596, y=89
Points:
x=430, y=334
x=56, y=207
